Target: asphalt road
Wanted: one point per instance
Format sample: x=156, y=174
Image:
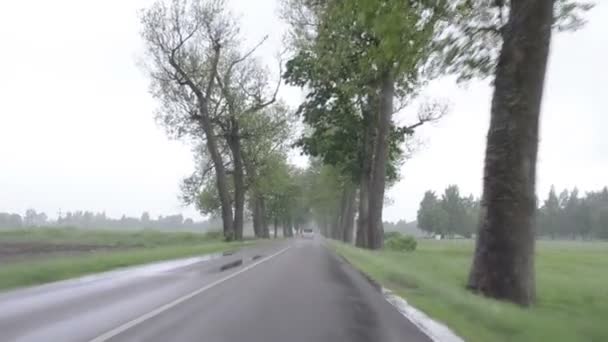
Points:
x=289, y=291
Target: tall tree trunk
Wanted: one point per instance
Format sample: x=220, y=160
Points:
x=285, y=233
x=255, y=214
x=343, y=210
x=220, y=174
x=234, y=142
x=503, y=265
x=367, y=157
x=276, y=227
x=336, y=232
x=349, y=215
x=262, y=214
x=256, y=199
x=290, y=228
x=375, y=233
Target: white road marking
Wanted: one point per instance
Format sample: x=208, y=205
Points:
x=116, y=331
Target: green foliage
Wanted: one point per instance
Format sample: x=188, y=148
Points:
x=568, y=215
x=572, y=216
x=450, y=215
x=471, y=34
x=401, y=243
x=214, y=235
x=572, y=298
x=353, y=45
x=391, y=234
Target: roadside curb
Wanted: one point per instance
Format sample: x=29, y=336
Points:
x=436, y=331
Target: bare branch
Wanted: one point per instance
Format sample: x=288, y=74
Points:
x=428, y=112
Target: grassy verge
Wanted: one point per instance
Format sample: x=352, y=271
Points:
x=572, y=285
x=136, y=247
x=135, y=238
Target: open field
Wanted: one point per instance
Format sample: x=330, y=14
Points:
x=572, y=286
x=30, y=257
x=27, y=244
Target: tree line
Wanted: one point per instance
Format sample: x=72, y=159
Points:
x=99, y=220
x=448, y=215
x=571, y=216
x=359, y=62
x=564, y=216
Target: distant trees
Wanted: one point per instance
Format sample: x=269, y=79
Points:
x=9, y=221
x=568, y=215
x=33, y=218
x=571, y=216
x=92, y=220
x=450, y=215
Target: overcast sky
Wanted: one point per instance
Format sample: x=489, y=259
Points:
x=77, y=128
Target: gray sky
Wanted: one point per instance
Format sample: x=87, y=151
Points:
x=77, y=128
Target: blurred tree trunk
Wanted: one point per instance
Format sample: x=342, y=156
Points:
x=503, y=265
x=276, y=227
x=256, y=215
x=234, y=143
x=256, y=199
x=342, y=216
x=349, y=215
x=221, y=177
x=336, y=227
x=262, y=217
x=378, y=172
x=367, y=156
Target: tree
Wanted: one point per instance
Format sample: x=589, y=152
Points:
x=550, y=214
x=10, y=221
x=145, y=218
x=268, y=136
x=426, y=219
x=503, y=265
x=185, y=41
x=245, y=89
x=354, y=67
x=455, y=209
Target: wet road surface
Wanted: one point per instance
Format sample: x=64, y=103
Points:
x=287, y=291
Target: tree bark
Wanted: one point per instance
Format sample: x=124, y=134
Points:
x=336, y=231
x=220, y=175
x=503, y=266
x=255, y=214
x=234, y=142
x=276, y=227
x=349, y=216
x=343, y=213
x=375, y=233
x=262, y=217
x=367, y=157
x=258, y=210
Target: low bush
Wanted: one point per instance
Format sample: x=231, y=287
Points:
x=402, y=243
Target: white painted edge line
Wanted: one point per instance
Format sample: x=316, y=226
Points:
x=436, y=331
x=120, y=329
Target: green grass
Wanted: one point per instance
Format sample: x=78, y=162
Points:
x=572, y=287
x=136, y=238
x=140, y=247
